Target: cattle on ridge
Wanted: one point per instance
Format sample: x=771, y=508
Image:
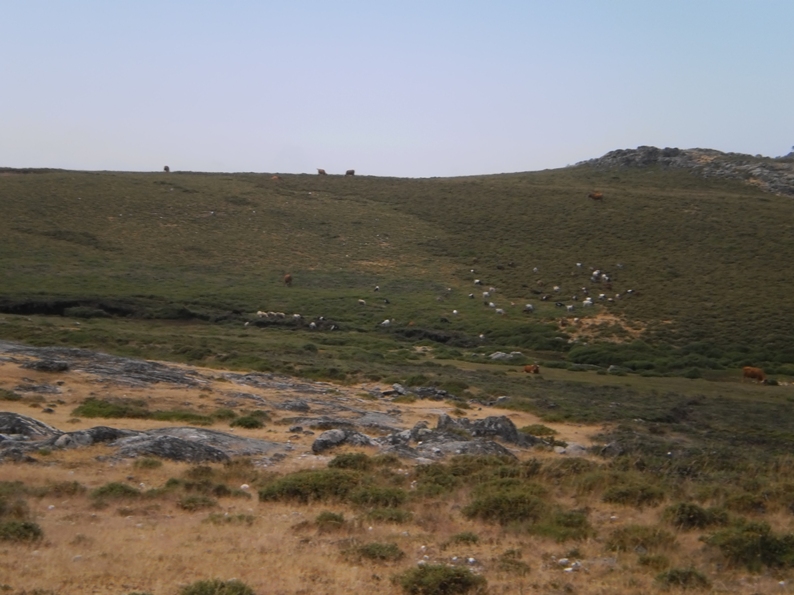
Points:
x=321, y=172
x=532, y=369
x=350, y=172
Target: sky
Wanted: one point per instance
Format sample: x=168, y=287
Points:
x=408, y=88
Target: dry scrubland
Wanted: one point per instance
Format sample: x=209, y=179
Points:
x=694, y=490
x=156, y=526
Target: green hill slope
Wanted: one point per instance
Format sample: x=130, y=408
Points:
x=707, y=259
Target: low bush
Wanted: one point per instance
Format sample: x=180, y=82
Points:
x=507, y=507
x=351, y=460
x=390, y=515
x=683, y=578
x=379, y=552
x=115, y=491
x=20, y=531
x=196, y=502
x=438, y=579
x=120, y=408
x=329, y=520
x=754, y=546
x=217, y=518
x=687, y=515
x=306, y=486
x=147, y=463
x=379, y=497
x=639, y=538
x=188, y=417
x=563, y=525
x=224, y=414
x=467, y=538
x=248, y=422
x=538, y=430
x=510, y=561
x=7, y=395
x=66, y=488
x=634, y=494
x=654, y=561
x=217, y=587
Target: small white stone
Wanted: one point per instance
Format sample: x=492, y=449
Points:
x=51, y=507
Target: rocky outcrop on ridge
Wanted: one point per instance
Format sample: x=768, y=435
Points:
x=772, y=174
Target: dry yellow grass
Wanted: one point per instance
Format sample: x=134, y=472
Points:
x=152, y=545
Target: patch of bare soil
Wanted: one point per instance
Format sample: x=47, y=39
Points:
x=605, y=327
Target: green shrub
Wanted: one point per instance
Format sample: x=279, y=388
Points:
x=329, y=520
x=563, y=525
x=248, y=422
x=638, y=538
x=654, y=561
x=683, y=578
x=217, y=587
x=565, y=468
x=467, y=538
x=634, y=494
x=7, y=395
x=380, y=552
x=224, y=414
x=379, y=497
x=510, y=561
x=66, y=488
x=17, y=509
x=754, y=546
x=390, y=515
x=506, y=507
x=687, y=515
x=188, y=417
x=538, y=430
x=404, y=399
x=351, y=460
x=147, y=463
x=306, y=486
x=120, y=408
x=438, y=579
x=115, y=491
x=20, y=531
x=196, y=502
x=217, y=518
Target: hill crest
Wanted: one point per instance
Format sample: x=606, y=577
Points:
x=772, y=174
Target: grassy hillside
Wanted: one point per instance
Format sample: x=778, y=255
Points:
x=705, y=258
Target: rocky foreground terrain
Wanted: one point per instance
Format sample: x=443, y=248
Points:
x=772, y=174
x=307, y=418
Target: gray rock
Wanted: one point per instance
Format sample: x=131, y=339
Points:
x=328, y=439
x=47, y=365
x=295, y=405
x=24, y=426
x=172, y=448
x=337, y=437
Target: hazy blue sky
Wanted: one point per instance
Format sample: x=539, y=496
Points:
x=400, y=88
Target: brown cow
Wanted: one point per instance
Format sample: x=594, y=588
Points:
x=753, y=374
x=532, y=369
x=350, y=172
x=288, y=280
x=321, y=172
x=276, y=177
x=596, y=195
